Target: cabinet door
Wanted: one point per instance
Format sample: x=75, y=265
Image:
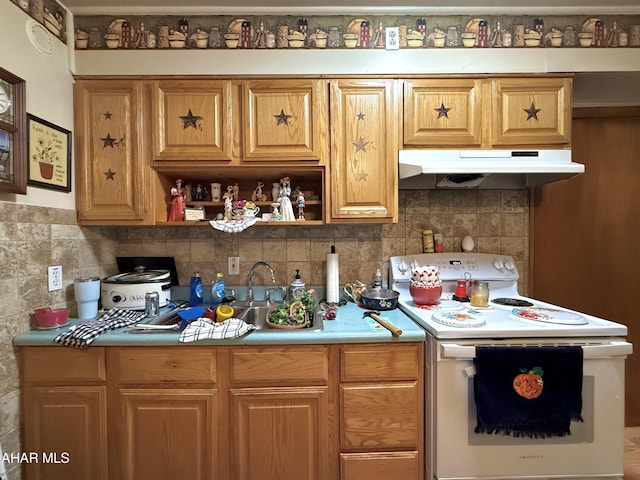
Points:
x=109, y=154
x=285, y=120
x=365, y=132
x=531, y=111
x=167, y=433
x=443, y=112
x=192, y=120
x=66, y=428
x=279, y=433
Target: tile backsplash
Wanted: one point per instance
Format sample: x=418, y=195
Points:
x=32, y=238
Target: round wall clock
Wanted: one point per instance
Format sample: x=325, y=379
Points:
x=39, y=37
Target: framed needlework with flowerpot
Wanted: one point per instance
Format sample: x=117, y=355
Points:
x=49, y=148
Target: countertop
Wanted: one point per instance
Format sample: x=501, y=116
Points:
x=348, y=327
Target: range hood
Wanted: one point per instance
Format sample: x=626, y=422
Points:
x=431, y=169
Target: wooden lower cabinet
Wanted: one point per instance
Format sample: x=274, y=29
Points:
x=382, y=412
x=64, y=413
x=66, y=429
x=281, y=412
x=167, y=433
x=279, y=433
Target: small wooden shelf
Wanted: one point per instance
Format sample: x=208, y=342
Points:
x=200, y=223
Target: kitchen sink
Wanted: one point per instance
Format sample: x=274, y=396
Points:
x=255, y=314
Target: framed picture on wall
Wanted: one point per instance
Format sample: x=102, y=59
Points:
x=13, y=125
x=49, y=148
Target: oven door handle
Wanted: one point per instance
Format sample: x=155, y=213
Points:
x=607, y=350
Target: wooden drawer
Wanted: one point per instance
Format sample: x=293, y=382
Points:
x=163, y=365
x=382, y=362
x=381, y=466
x=63, y=364
x=280, y=365
x=381, y=416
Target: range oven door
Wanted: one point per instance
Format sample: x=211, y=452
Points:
x=593, y=450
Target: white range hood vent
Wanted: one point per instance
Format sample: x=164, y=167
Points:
x=431, y=169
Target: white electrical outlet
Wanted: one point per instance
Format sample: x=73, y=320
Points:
x=392, y=38
x=234, y=265
x=55, y=278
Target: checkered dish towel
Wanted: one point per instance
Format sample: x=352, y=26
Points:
x=84, y=333
x=203, y=329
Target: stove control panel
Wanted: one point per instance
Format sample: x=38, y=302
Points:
x=454, y=266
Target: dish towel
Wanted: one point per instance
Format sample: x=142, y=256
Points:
x=203, y=329
x=84, y=333
x=528, y=391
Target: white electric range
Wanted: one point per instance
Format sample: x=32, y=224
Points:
x=594, y=450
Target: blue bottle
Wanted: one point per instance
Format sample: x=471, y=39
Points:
x=217, y=290
x=195, y=288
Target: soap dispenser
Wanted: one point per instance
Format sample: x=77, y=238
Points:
x=297, y=286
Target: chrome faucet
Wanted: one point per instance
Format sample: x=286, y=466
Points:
x=250, y=279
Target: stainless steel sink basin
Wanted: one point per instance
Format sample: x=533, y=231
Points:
x=255, y=314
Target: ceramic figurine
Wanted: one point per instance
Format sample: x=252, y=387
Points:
x=228, y=203
x=257, y=195
x=276, y=212
x=176, y=212
x=285, y=200
x=300, y=202
x=236, y=192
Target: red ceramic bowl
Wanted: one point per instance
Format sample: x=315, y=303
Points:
x=425, y=295
x=50, y=318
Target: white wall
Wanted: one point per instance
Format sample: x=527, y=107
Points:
x=49, y=90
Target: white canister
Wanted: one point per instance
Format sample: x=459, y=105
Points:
x=87, y=292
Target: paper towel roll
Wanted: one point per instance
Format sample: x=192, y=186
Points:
x=333, y=278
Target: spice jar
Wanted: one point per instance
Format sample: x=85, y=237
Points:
x=427, y=241
x=479, y=293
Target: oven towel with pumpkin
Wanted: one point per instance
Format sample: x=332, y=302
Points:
x=532, y=391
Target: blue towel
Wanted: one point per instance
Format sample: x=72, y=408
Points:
x=528, y=391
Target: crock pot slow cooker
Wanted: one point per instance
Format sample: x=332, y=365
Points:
x=127, y=290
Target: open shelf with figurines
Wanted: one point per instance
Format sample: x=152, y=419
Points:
x=271, y=196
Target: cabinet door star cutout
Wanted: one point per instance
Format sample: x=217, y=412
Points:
x=109, y=141
x=191, y=120
x=109, y=175
x=360, y=144
x=360, y=116
x=532, y=111
x=107, y=115
x=282, y=118
x=442, y=111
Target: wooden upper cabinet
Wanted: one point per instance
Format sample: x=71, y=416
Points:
x=285, y=120
x=192, y=120
x=531, y=111
x=443, y=112
x=365, y=137
x=110, y=154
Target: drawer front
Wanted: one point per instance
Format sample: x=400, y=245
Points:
x=381, y=362
x=163, y=365
x=381, y=466
x=289, y=365
x=61, y=364
x=381, y=416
